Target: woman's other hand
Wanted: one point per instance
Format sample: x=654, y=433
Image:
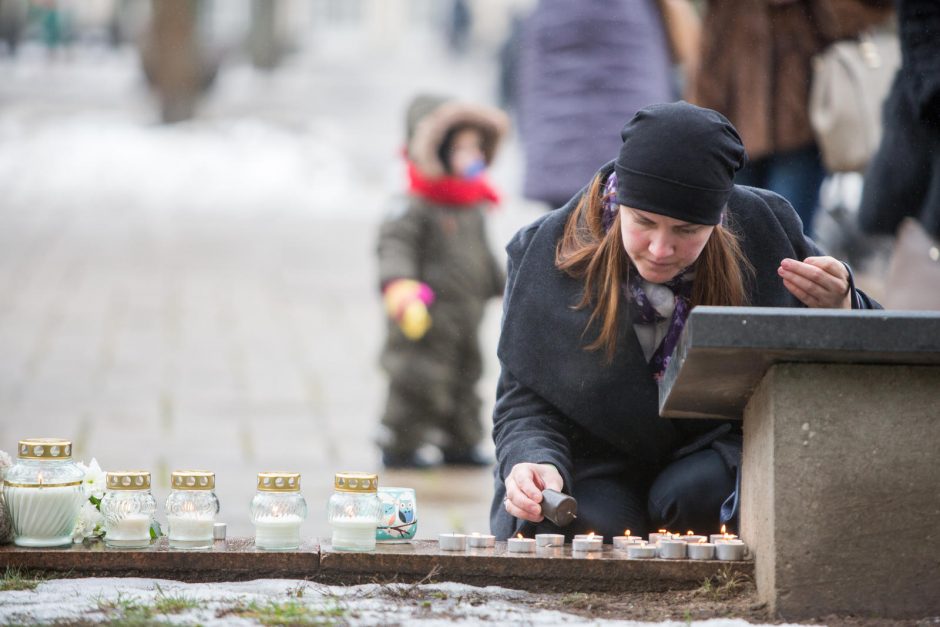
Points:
x=817, y=281
x=524, y=487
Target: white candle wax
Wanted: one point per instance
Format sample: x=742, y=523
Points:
x=282, y=532
x=672, y=549
x=452, y=541
x=717, y=537
x=481, y=541
x=186, y=529
x=642, y=551
x=521, y=545
x=132, y=530
x=549, y=539
x=622, y=542
x=587, y=544
x=702, y=551
x=693, y=539
x=354, y=534
x=43, y=516
x=655, y=537
x=730, y=550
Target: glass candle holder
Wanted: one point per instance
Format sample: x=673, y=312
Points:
x=127, y=507
x=277, y=511
x=354, y=511
x=43, y=493
x=191, y=509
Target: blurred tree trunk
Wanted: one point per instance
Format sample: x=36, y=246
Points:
x=172, y=59
x=264, y=42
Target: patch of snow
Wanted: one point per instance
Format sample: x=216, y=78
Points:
x=371, y=604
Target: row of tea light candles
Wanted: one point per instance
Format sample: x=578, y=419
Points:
x=662, y=544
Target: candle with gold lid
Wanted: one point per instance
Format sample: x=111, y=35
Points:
x=43, y=493
x=127, y=507
x=277, y=511
x=191, y=508
x=354, y=511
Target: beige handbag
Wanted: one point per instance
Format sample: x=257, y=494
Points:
x=913, y=280
x=851, y=79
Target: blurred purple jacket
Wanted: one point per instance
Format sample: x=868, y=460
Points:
x=585, y=68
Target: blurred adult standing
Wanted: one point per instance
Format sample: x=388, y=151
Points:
x=756, y=68
x=902, y=183
x=903, y=179
x=584, y=68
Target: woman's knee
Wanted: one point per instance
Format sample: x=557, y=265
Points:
x=688, y=493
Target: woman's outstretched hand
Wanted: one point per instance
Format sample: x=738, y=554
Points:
x=524, y=487
x=817, y=281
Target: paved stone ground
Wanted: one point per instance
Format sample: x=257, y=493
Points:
x=203, y=296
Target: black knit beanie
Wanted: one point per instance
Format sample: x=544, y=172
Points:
x=678, y=160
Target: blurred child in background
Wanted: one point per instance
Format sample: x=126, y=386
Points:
x=436, y=272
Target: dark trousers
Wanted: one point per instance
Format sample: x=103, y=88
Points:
x=686, y=495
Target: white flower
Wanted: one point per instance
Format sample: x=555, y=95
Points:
x=90, y=523
x=94, y=481
x=5, y=462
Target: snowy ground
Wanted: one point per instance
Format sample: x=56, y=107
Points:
x=265, y=601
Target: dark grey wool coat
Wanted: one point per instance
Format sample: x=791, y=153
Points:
x=557, y=402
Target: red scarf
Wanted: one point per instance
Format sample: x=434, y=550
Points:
x=450, y=190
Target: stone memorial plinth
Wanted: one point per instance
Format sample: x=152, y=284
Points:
x=555, y=570
x=840, y=495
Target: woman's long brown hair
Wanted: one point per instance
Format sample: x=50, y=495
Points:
x=588, y=253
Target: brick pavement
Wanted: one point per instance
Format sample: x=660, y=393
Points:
x=203, y=296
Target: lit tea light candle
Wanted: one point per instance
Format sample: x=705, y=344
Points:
x=622, y=542
x=655, y=537
x=521, y=545
x=587, y=543
x=642, y=551
x=692, y=538
x=672, y=549
x=452, y=541
x=724, y=535
x=730, y=550
x=701, y=550
x=589, y=536
x=549, y=539
x=481, y=541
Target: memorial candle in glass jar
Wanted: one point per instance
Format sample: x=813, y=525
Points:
x=355, y=511
x=127, y=508
x=190, y=509
x=277, y=511
x=43, y=493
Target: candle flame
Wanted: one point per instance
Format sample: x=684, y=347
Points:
x=519, y=536
x=701, y=541
x=689, y=533
x=626, y=532
x=662, y=531
x=724, y=529
x=590, y=535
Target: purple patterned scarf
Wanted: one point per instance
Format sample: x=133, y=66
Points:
x=642, y=311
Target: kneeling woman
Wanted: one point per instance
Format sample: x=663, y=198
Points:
x=597, y=295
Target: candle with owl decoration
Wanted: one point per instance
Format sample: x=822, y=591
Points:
x=399, y=521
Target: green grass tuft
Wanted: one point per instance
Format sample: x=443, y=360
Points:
x=17, y=579
x=289, y=612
